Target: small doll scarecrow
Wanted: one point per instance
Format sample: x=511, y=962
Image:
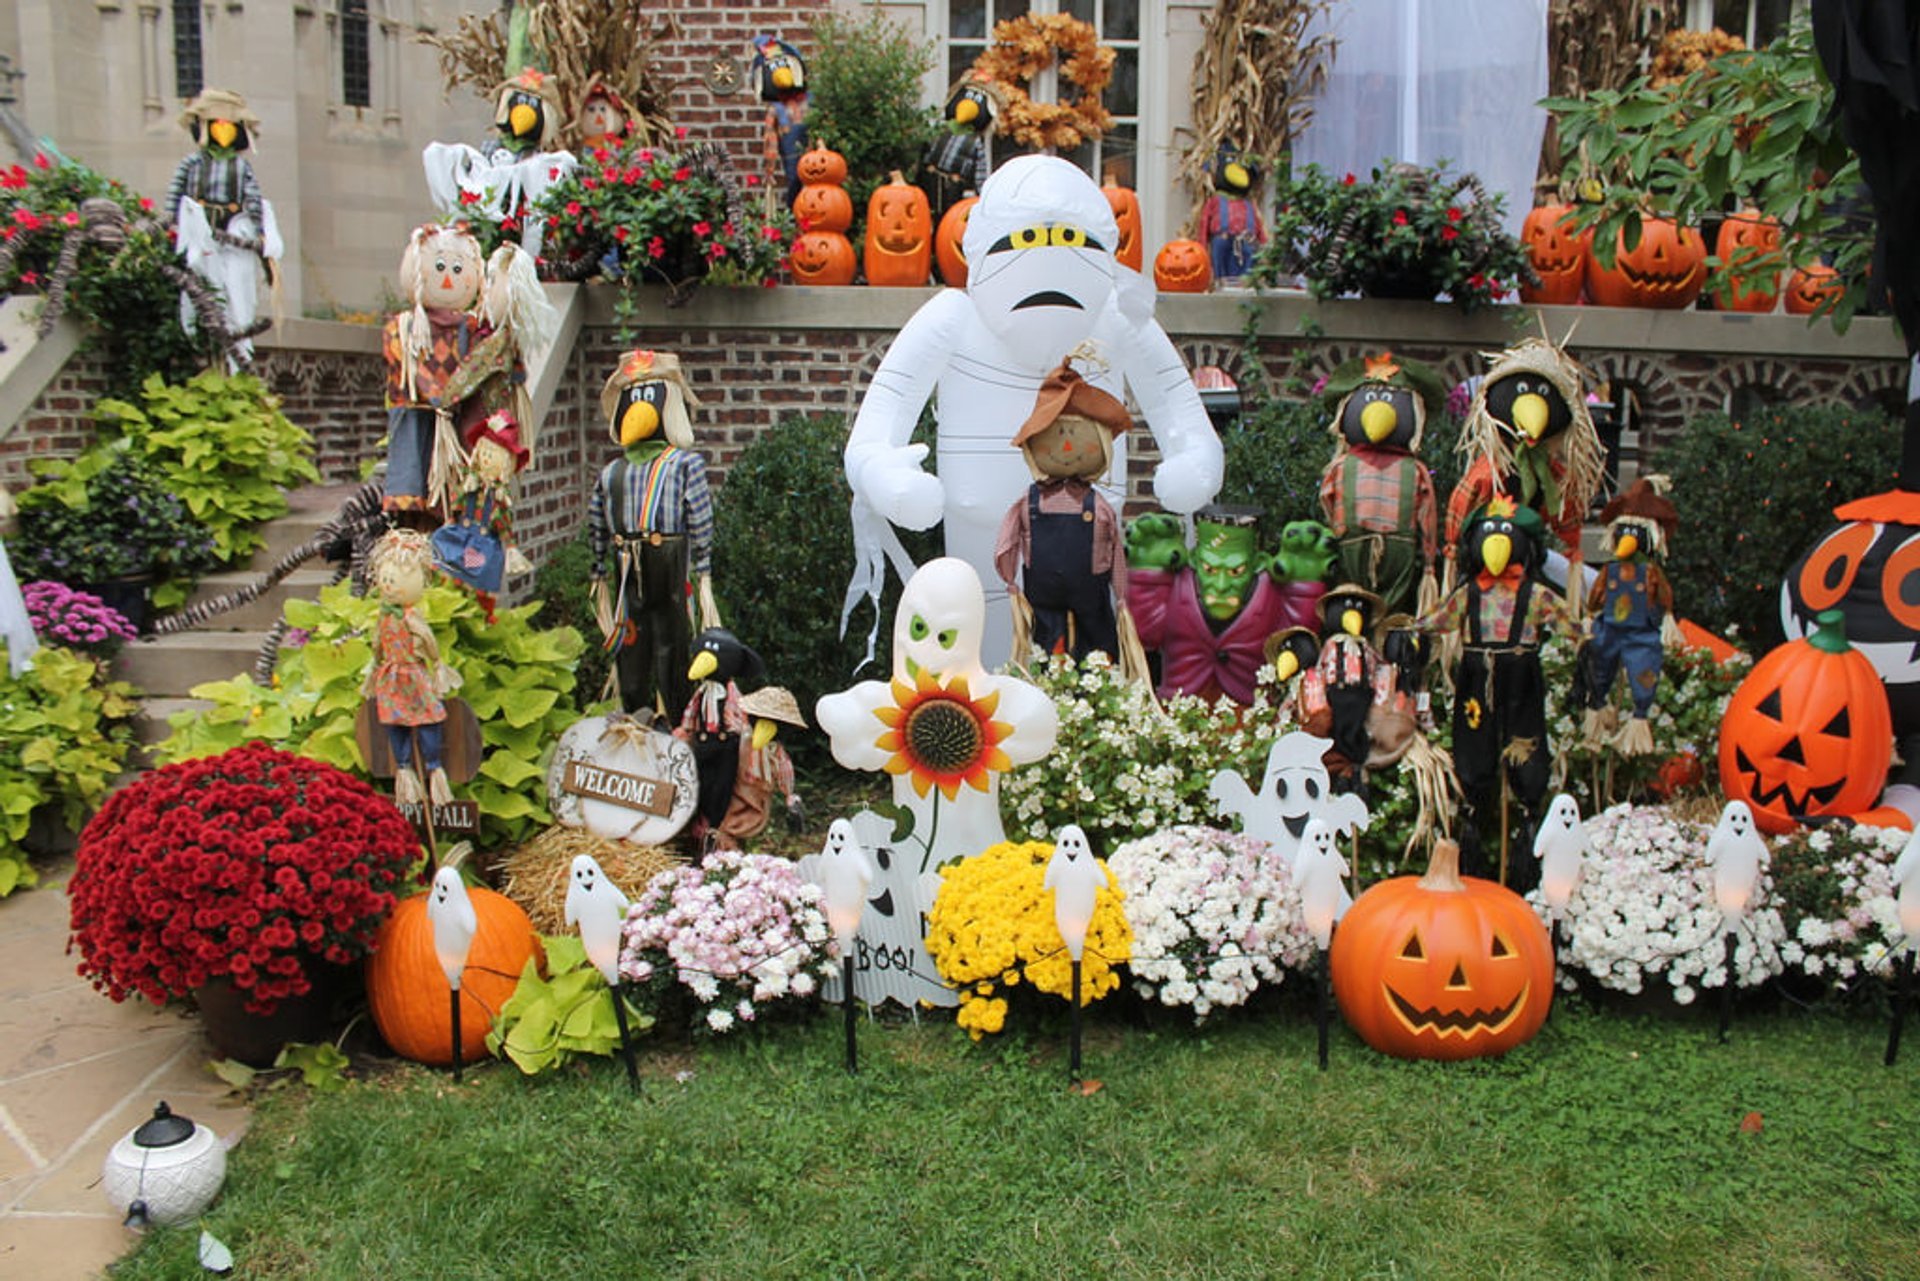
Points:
x=224, y=228
x=764, y=770
x=1629, y=604
x=714, y=724
x=1377, y=494
x=780, y=77
x=1230, y=218
x=956, y=162
x=443, y=276
x=408, y=682
x=1348, y=678
x=604, y=120
x=1501, y=612
x=475, y=547
x=650, y=532
x=1062, y=540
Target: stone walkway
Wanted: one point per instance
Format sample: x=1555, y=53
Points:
x=77, y=1072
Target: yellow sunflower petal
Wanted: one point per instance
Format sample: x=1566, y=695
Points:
x=901, y=691
x=899, y=764
x=998, y=761
x=891, y=741
x=988, y=705
x=921, y=783
x=889, y=715
x=949, y=787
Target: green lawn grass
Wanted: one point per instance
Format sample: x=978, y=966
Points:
x=1609, y=1146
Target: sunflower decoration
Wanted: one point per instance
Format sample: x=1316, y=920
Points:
x=939, y=735
x=1024, y=47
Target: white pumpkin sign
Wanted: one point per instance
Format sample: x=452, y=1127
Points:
x=622, y=781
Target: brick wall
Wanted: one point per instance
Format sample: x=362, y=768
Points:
x=60, y=423
x=736, y=122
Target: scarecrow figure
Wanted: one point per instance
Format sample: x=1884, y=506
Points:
x=501, y=180
x=605, y=121
x=955, y=163
x=1230, y=218
x=714, y=724
x=1501, y=613
x=1347, y=680
x=475, y=547
x=408, y=682
x=780, y=76
x=442, y=274
x=225, y=228
x=1062, y=540
x=1377, y=495
x=765, y=769
x=1630, y=603
x=650, y=531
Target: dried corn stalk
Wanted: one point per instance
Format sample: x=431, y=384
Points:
x=1598, y=44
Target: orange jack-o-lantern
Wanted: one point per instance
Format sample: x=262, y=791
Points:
x=822, y=258
x=819, y=207
x=1442, y=966
x=1666, y=269
x=1126, y=211
x=947, y=240
x=1808, y=732
x=899, y=249
x=1183, y=267
x=1558, y=254
x=1742, y=237
x=1811, y=287
x=407, y=990
x=823, y=165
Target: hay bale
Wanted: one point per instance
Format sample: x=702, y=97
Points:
x=534, y=874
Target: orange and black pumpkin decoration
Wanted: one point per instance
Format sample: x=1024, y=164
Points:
x=1183, y=267
x=1665, y=270
x=948, y=238
x=407, y=989
x=822, y=258
x=1868, y=568
x=1558, y=253
x=1808, y=733
x=1812, y=287
x=1442, y=966
x=899, y=248
x=1132, y=250
x=1742, y=237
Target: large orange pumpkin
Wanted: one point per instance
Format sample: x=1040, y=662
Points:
x=899, y=248
x=1558, y=254
x=1442, y=966
x=1744, y=236
x=822, y=258
x=1666, y=269
x=1808, y=733
x=407, y=989
x=1131, y=250
x=947, y=240
x=1811, y=286
x=821, y=164
x=1183, y=267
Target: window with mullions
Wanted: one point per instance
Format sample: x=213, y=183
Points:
x=188, y=67
x=1758, y=22
x=1116, y=152
x=356, y=56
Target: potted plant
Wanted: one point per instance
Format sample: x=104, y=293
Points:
x=1404, y=232
x=237, y=879
x=78, y=620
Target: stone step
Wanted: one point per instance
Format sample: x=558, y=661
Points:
x=307, y=510
x=150, y=723
x=170, y=666
x=263, y=611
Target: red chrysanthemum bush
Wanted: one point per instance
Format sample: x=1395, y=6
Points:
x=240, y=866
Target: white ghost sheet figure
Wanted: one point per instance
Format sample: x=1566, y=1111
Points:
x=450, y=912
x=1076, y=879
x=944, y=727
x=843, y=872
x=1041, y=282
x=1561, y=844
x=597, y=908
x=1319, y=872
x=1296, y=790
x=891, y=962
x=1737, y=853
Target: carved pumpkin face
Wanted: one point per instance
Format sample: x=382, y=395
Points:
x=1742, y=237
x=1442, y=966
x=946, y=242
x=1126, y=211
x=1558, y=254
x=899, y=249
x=1812, y=287
x=1665, y=270
x=822, y=258
x=819, y=207
x=1808, y=732
x=822, y=164
x=1871, y=573
x=1183, y=267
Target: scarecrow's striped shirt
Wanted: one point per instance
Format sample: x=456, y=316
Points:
x=666, y=495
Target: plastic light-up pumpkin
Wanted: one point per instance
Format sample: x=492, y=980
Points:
x=947, y=240
x=822, y=257
x=1808, y=733
x=821, y=164
x=1741, y=237
x=1558, y=253
x=899, y=248
x=407, y=990
x=1132, y=250
x=1442, y=966
x=1811, y=287
x=1183, y=267
x=1665, y=270
x=819, y=207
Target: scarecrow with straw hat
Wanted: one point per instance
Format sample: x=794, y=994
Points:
x=224, y=227
x=765, y=769
x=650, y=531
x=779, y=74
x=1631, y=605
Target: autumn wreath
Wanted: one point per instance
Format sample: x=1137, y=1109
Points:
x=1024, y=47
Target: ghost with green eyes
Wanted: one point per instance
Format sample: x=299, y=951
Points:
x=943, y=726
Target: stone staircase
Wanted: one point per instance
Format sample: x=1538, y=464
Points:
x=166, y=668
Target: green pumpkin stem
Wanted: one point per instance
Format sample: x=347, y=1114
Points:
x=1829, y=632
x=1443, y=868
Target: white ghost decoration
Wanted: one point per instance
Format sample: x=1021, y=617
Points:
x=843, y=872
x=941, y=700
x=597, y=908
x=1041, y=281
x=450, y=912
x=1296, y=790
x=1561, y=845
x=1318, y=874
x=1906, y=881
x=890, y=950
x=1076, y=879
x=1737, y=853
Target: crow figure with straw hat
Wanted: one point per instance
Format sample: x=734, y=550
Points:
x=224, y=227
x=1630, y=604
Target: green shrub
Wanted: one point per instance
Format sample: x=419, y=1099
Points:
x=863, y=100
x=1754, y=496
x=564, y=587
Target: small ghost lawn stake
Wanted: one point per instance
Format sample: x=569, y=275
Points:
x=1906, y=880
x=451, y=914
x=597, y=908
x=1737, y=853
x=845, y=872
x=1076, y=878
x=1560, y=844
x=1318, y=870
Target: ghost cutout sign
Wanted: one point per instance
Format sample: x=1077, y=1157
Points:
x=1561, y=844
x=1737, y=853
x=890, y=958
x=450, y=912
x=1295, y=791
x=1042, y=280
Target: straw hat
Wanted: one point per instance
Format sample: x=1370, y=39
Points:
x=773, y=703
x=1065, y=392
x=210, y=105
x=645, y=367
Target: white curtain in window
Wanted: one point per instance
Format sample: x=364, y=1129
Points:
x=1431, y=80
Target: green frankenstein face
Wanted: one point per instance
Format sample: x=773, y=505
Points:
x=1226, y=561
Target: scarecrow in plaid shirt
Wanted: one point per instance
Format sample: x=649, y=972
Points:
x=955, y=163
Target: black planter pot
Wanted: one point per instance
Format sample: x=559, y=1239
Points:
x=257, y=1039
x=127, y=596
